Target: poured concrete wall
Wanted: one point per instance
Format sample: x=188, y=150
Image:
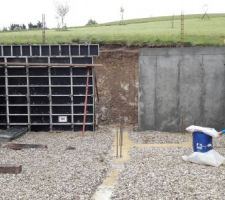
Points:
x=181, y=86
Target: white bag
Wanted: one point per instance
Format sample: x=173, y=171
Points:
x=208, y=131
x=211, y=158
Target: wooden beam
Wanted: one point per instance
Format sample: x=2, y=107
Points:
x=10, y=169
x=16, y=146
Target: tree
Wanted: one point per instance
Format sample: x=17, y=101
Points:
x=122, y=12
x=91, y=22
x=5, y=29
x=38, y=25
x=17, y=27
x=61, y=10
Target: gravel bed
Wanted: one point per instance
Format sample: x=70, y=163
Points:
x=152, y=137
x=160, y=173
x=57, y=173
x=219, y=142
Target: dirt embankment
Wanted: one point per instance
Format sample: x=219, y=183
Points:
x=117, y=85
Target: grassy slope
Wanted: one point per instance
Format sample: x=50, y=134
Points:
x=153, y=31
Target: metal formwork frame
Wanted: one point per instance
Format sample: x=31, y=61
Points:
x=28, y=96
x=19, y=98
x=92, y=50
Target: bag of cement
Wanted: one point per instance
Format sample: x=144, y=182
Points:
x=208, y=131
x=211, y=158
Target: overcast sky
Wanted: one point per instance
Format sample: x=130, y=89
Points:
x=25, y=11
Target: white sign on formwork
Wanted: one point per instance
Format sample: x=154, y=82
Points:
x=62, y=119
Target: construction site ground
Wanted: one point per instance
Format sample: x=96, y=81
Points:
x=86, y=167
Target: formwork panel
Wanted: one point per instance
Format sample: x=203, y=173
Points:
x=84, y=50
x=47, y=97
x=18, y=119
x=16, y=71
x=50, y=50
x=36, y=109
x=2, y=81
x=45, y=50
x=7, y=51
x=74, y=50
x=61, y=100
x=55, y=50
x=40, y=127
x=59, y=91
x=18, y=110
x=2, y=90
x=39, y=91
x=59, y=60
x=35, y=49
x=40, y=119
x=38, y=71
x=17, y=100
x=39, y=100
x=26, y=50
x=3, y=109
x=38, y=60
x=15, y=60
x=16, y=50
x=60, y=71
x=17, y=90
x=2, y=100
x=65, y=50
x=3, y=119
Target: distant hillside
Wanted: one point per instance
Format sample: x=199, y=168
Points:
x=155, y=31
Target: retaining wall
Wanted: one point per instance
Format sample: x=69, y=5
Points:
x=181, y=86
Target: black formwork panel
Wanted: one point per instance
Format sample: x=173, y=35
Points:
x=50, y=50
x=3, y=111
x=46, y=98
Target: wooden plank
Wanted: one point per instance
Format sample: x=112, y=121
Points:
x=16, y=146
x=10, y=169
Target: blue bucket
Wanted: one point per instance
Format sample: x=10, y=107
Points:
x=202, y=142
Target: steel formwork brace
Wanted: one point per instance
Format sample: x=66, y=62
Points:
x=85, y=102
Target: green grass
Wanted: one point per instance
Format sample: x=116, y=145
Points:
x=147, y=31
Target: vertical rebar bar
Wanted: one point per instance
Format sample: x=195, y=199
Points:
x=86, y=102
x=117, y=142
x=121, y=141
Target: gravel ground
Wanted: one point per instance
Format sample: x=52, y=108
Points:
x=219, y=142
x=57, y=173
x=152, y=137
x=160, y=173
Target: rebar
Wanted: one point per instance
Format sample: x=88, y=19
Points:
x=121, y=141
x=117, y=142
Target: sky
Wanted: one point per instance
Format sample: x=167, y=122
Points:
x=25, y=11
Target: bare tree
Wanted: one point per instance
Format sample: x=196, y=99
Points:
x=122, y=12
x=61, y=10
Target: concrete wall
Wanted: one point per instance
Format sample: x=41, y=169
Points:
x=181, y=86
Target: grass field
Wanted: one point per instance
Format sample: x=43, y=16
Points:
x=147, y=31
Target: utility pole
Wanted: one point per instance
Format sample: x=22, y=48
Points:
x=172, y=24
x=182, y=27
x=43, y=29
